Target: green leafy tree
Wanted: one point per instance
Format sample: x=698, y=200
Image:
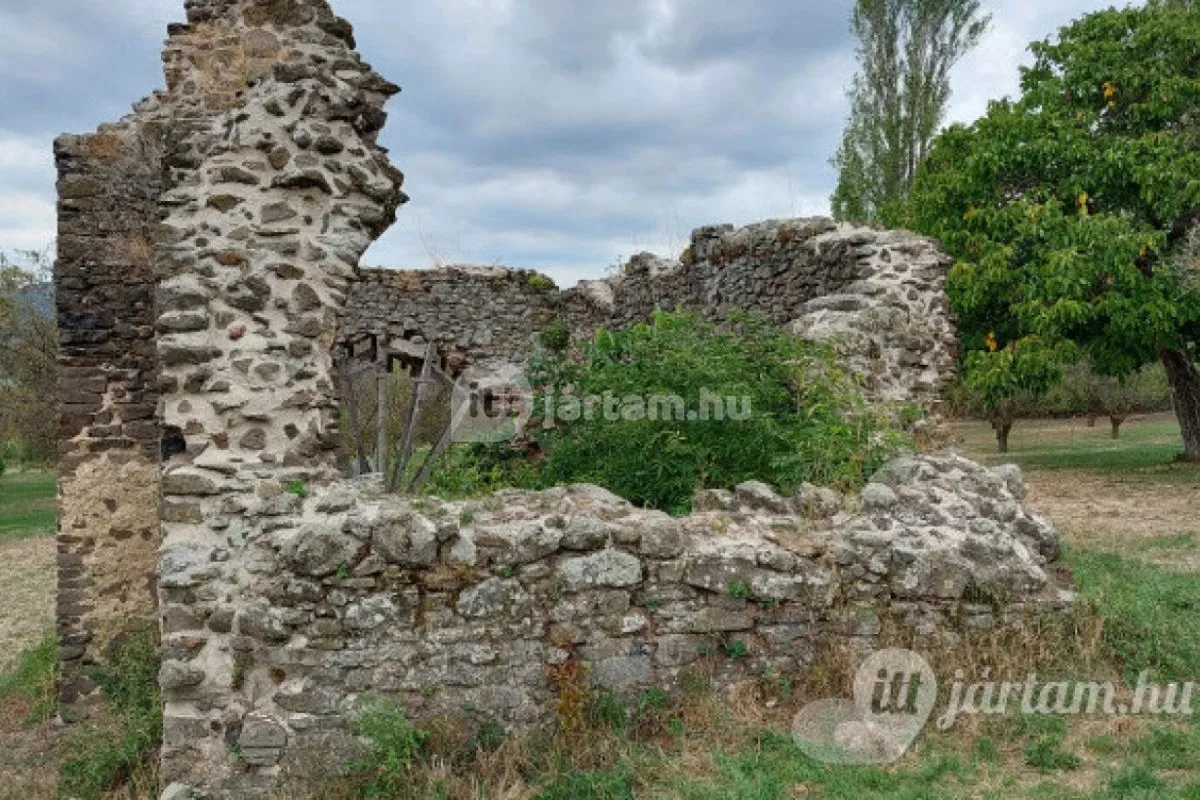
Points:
x=1072, y=210
x=898, y=98
x=28, y=352
x=1004, y=378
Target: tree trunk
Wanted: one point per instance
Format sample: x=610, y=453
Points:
x=1116, y=426
x=1002, y=427
x=1185, y=392
x=1091, y=420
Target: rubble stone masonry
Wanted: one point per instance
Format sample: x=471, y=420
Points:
x=208, y=265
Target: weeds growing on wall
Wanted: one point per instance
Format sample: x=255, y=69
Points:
x=789, y=415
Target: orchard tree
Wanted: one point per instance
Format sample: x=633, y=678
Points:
x=1004, y=379
x=899, y=96
x=1072, y=210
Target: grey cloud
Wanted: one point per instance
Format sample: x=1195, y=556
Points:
x=542, y=133
x=773, y=31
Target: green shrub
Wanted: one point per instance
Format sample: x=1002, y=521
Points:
x=476, y=469
x=555, y=337
x=698, y=406
x=394, y=749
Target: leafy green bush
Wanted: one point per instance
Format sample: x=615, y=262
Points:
x=656, y=412
x=394, y=749
x=477, y=469
x=702, y=406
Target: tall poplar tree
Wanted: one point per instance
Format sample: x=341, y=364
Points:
x=898, y=98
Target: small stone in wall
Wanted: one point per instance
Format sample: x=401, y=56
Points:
x=758, y=495
x=878, y=497
x=818, y=502
x=488, y=599
x=407, y=538
x=321, y=548
x=611, y=568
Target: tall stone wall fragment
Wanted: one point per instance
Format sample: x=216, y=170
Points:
x=206, y=244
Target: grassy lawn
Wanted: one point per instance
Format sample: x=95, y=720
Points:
x=1147, y=450
x=27, y=504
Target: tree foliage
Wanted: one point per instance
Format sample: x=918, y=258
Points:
x=1069, y=208
x=899, y=96
x=28, y=351
x=1003, y=378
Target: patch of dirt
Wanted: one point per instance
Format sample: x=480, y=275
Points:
x=27, y=577
x=1103, y=511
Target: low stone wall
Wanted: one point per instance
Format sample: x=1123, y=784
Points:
x=305, y=606
x=880, y=295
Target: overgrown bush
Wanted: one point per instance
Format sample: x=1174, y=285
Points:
x=658, y=411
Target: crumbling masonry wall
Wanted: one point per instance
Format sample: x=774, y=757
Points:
x=109, y=184
x=879, y=295
x=124, y=276
x=206, y=242
x=460, y=611
x=209, y=248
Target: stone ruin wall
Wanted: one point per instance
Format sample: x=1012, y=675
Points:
x=880, y=295
x=162, y=193
x=109, y=434
x=460, y=610
x=209, y=249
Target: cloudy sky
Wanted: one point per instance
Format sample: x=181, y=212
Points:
x=563, y=135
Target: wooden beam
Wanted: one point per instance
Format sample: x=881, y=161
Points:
x=416, y=407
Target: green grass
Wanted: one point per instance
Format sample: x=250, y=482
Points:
x=1147, y=450
x=1152, y=615
x=31, y=684
x=27, y=504
x=1178, y=541
x=121, y=752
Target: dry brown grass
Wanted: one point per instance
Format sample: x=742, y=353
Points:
x=27, y=573
x=1106, y=511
